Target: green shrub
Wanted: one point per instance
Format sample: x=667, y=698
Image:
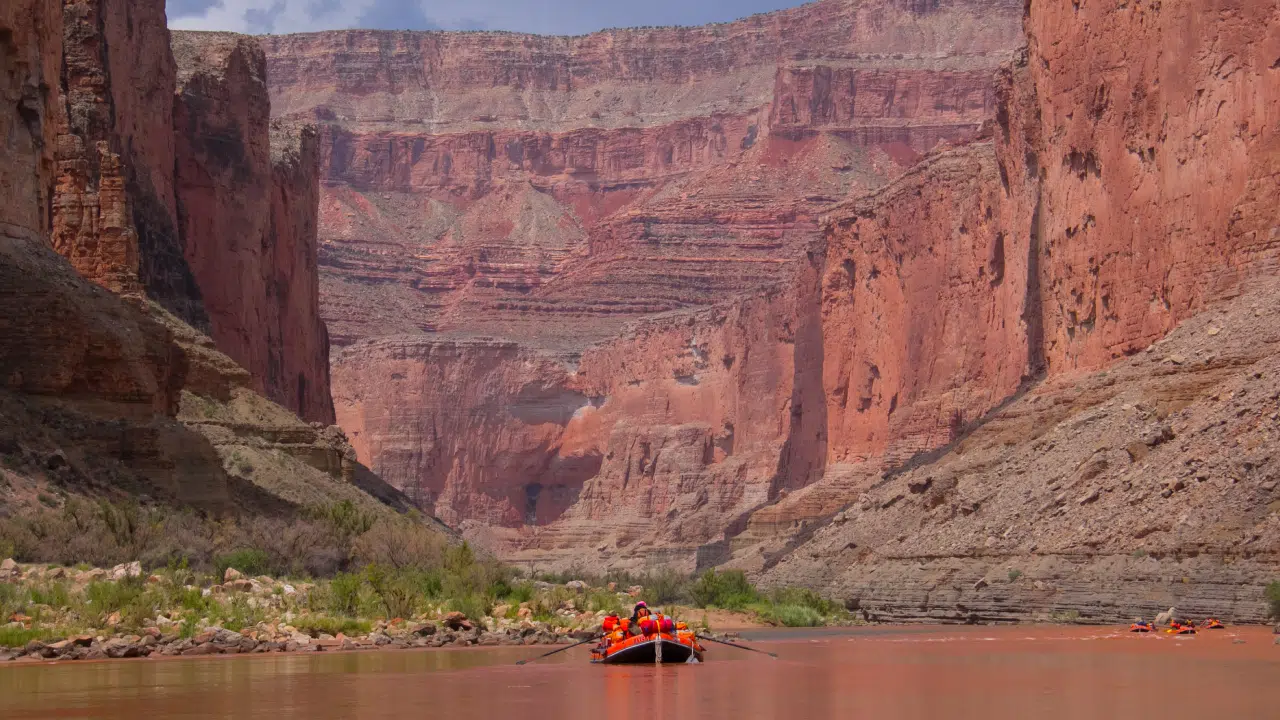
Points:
x=397, y=591
x=665, y=586
x=1014, y=575
x=804, y=597
x=9, y=602
x=247, y=561
x=239, y=614
x=344, y=594
x=605, y=600
x=55, y=595
x=473, y=606
x=345, y=519
x=1273, y=600
x=521, y=592
x=729, y=590
x=106, y=597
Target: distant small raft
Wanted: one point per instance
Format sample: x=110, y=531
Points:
x=650, y=649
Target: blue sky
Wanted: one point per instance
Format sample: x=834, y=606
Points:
x=561, y=17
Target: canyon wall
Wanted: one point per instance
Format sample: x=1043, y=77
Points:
x=183, y=218
x=867, y=296
x=1137, y=147
x=105, y=393
x=245, y=192
x=516, y=231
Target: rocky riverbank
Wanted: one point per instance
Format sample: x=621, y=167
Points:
x=60, y=613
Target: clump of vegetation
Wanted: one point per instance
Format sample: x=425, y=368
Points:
x=728, y=590
x=1272, y=594
x=1014, y=575
x=249, y=561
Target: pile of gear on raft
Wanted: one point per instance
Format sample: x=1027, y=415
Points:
x=1177, y=626
x=644, y=627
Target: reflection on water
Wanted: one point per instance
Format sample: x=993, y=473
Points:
x=873, y=673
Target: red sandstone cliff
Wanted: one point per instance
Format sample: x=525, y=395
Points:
x=108, y=395
x=247, y=198
x=143, y=211
x=539, y=222
x=503, y=206
x=1136, y=147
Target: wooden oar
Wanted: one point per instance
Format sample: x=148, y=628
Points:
x=740, y=647
x=560, y=650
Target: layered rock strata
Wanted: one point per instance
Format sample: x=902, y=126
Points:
x=1136, y=174
x=515, y=229
x=590, y=310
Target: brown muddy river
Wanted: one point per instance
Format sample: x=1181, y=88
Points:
x=867, y=673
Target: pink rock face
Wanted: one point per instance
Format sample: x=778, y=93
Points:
x=31, y=55
x=1155, y=139
x=498, y=213
x=542, y=224
x=297, y=374
x=921, y=307
x=248, y=199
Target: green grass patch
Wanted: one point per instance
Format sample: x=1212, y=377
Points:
x=314, y=625
x=16, y=637
x=788, y=615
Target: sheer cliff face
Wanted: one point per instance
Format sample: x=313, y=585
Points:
x=1136, y=153
x=28, y=93
x=145, y=211
x=1158, y=155
x=523, y=239
x=106, y=394
x=247, y=199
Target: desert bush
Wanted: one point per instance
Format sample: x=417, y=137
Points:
x=17, y=637
x=397, y=590
x=663, y=586
x=473, y=606
x=344, y=593
x=729, y=590
x=314, y=625
x=54, y=594
x=343, y=519
x=789, y=615
x=400, y=542
x=249, y=561
x=804, y=597
x=1272, y=594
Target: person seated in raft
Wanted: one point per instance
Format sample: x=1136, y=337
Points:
x=639, y=614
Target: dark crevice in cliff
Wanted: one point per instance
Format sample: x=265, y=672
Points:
x=162, y=267
x=1033, y=313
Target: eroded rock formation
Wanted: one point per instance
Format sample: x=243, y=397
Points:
x=498, y=208
x=104, y=392
x=589, y=309
x=247, y=194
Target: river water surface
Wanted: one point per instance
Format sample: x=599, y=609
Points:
x=866, y=673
